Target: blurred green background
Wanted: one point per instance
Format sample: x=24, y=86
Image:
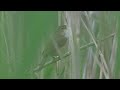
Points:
x=23, y=34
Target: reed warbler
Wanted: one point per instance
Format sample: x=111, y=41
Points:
x=57, y=41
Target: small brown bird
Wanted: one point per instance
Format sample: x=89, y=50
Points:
x=58, y=40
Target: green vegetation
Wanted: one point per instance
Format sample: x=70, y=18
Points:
x=33, y=44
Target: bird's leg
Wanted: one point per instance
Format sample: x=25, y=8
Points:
x=56, y=58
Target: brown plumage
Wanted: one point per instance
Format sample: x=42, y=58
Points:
x=58, y=39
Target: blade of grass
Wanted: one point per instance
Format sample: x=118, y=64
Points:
x=102, y=56
x=5, y=39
